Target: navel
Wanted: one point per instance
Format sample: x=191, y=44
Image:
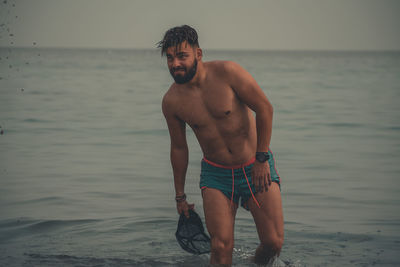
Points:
x=227, y=112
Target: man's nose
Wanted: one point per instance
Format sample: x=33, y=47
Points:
x=176, y=63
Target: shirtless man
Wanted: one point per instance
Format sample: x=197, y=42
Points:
x=217, y=100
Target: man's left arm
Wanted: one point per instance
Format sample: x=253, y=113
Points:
x=252, y=95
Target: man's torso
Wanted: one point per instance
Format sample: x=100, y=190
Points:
x=224, y=126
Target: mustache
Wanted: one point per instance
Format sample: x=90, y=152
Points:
x=179, y=68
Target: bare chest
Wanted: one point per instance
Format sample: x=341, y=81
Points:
x=209, y=106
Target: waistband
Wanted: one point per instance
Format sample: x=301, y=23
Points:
x=251, y=161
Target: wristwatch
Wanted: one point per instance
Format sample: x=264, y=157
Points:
x=262, y=156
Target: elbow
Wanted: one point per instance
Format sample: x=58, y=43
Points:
x=179, y=151
x=268, y=110
x=179, y=156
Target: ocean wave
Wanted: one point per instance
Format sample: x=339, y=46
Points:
x=26, y=225
x=52, y=199
x=345, y=125
x=36, y=120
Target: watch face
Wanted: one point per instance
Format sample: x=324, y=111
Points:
x=262, y=156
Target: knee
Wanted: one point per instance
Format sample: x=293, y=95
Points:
x=268, y=250
x=222, y=247
x=273, y=246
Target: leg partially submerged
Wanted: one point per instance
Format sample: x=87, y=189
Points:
x=219, y=217
x=269, y=223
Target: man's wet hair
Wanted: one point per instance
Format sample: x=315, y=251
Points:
x=177, y=35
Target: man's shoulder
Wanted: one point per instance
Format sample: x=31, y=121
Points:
x=223, y=67
x=221, y=64
x=170, y=97
x=170, y=94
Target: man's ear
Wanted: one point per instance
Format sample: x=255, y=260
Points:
x=199, y=53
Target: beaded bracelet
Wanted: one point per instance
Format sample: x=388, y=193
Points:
x=180, y=198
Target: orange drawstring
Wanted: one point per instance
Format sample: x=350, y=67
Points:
x=251, y=191
x=233, y=186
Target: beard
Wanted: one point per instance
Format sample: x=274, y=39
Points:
x=188, y=73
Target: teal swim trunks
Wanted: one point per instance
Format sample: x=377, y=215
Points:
x=234, y=181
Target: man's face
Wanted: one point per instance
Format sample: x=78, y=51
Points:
x=182, y=63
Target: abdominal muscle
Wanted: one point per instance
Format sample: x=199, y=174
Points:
x=230, y=141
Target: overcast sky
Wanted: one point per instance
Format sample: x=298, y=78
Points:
x=221, y=24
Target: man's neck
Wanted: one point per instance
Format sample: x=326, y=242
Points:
x=200, y=76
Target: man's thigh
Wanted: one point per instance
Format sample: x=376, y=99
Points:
x=269, y=217
x=219, y=214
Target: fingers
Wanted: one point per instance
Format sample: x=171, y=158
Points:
x=253, y=178
x=186, y=211
x=184, y=207
x=261, y=177
x=187, y=208
x=257, y=180
x=255, y=183
x=265, y=184
x=267, y=181
x=260, y=180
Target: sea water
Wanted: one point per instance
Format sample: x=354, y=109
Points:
x=85, y=177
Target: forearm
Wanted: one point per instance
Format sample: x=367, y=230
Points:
x=179, y=161
x=264, y=128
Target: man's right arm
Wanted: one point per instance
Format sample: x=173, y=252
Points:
x=179, y=152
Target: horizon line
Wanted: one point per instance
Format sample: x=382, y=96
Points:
x=204, y=49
